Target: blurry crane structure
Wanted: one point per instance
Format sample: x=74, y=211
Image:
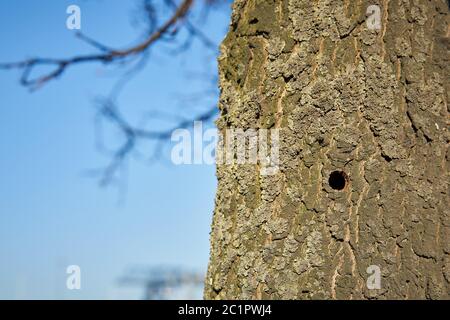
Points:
x=161, y=282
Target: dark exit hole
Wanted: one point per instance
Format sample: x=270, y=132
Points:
x=338, y=180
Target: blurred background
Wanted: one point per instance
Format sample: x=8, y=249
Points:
x=147, y=234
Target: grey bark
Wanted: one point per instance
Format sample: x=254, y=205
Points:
x=371, y=103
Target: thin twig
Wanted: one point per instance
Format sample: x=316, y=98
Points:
x=108, y=55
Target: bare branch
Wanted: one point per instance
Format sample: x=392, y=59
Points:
x=132, y=135
x=108, y=55
x=136, y=58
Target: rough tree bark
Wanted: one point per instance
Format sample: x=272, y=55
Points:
x=370, y=103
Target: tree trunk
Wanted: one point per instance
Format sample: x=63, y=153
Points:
x=363, y=182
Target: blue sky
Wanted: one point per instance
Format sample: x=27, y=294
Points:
x=51, y=214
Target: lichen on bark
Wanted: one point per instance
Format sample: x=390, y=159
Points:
x=371, y=103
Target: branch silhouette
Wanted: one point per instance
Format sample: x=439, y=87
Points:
x=108, y=107
x=108, y=55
